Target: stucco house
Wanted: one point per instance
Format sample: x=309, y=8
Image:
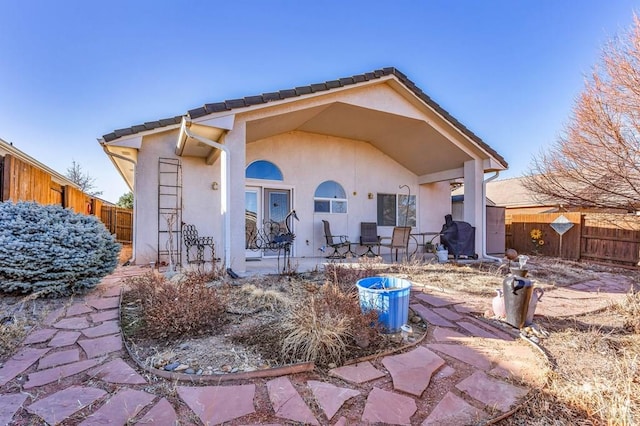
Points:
x=368, y=148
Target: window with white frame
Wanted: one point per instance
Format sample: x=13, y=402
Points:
x=330, y=198
x=396, y=210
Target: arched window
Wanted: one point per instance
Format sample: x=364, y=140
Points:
x=330, y=198
x=263, y=169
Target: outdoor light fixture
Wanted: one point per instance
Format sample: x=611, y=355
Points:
x=214, y=186
x=370, y=195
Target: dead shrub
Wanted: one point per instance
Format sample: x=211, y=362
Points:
x=345, y=275
x=11, y=334
x=174, y=310
x=326, y=326
x=630, y=310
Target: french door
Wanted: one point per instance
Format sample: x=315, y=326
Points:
x=265, y=209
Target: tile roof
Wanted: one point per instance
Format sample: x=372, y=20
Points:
x=264, y=98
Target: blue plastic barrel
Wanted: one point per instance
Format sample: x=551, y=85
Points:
x=389, y=296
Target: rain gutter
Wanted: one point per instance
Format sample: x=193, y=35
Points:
x=224, y=183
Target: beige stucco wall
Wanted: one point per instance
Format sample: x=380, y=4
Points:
x=306, y=160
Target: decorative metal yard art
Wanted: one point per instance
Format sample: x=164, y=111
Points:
x=275, y=236
x=561, y=225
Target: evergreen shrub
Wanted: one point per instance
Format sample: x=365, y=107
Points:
x=52, y=251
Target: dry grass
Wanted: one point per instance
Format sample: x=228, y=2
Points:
x=324, y=327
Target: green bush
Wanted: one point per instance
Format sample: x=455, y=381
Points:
x=52, y=251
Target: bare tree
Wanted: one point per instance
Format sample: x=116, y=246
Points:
x=596, y=163
x=86, y=182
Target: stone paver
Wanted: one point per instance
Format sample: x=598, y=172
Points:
x=64, y=338
x=436, y=301
x=75, y=323
x=475, y=330
x=9, y=404
x=446, y=334
x=463, y=353
x=59, y=358
x=120, y=408
x=388, y=407
x=160, y=414
x=77, y=309
x=57, y=407
x=492, y=392
x=104, y=302
x=453, y=410
x=429, y=316
x=357, y=373
x=287, y=402
x=500, y=334
x=448, y=314
x=330, y=397
x=101, y=345
x=40, y=336
x=411, y=371
x=106, y=328
x=110, y=314
x=19, y=363
x=51, y=375
x=219, y=404
x=118, y=371
x=455, y=335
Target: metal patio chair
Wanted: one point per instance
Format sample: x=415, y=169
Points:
x=336, y=242
x=369, y=238
x=399, y=240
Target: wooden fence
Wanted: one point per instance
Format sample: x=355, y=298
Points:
x=601, y=238
x=118, y=221
x=21, y=181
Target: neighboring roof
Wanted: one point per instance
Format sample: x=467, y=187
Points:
x=264, y=98
x=8, y=148
x=509, y=193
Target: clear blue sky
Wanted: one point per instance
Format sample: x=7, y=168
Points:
x=71, y=71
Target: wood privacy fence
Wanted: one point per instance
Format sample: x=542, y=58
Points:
x=118, y=221
x=21, y=181
x=597, y=237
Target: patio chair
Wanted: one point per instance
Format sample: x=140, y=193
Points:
x=191, y=239
x=336, y=242
x=399, y=240
x=369, y=238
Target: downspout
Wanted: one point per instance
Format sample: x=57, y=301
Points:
x=484, y=218
x=224, y=185
x=135, y=201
